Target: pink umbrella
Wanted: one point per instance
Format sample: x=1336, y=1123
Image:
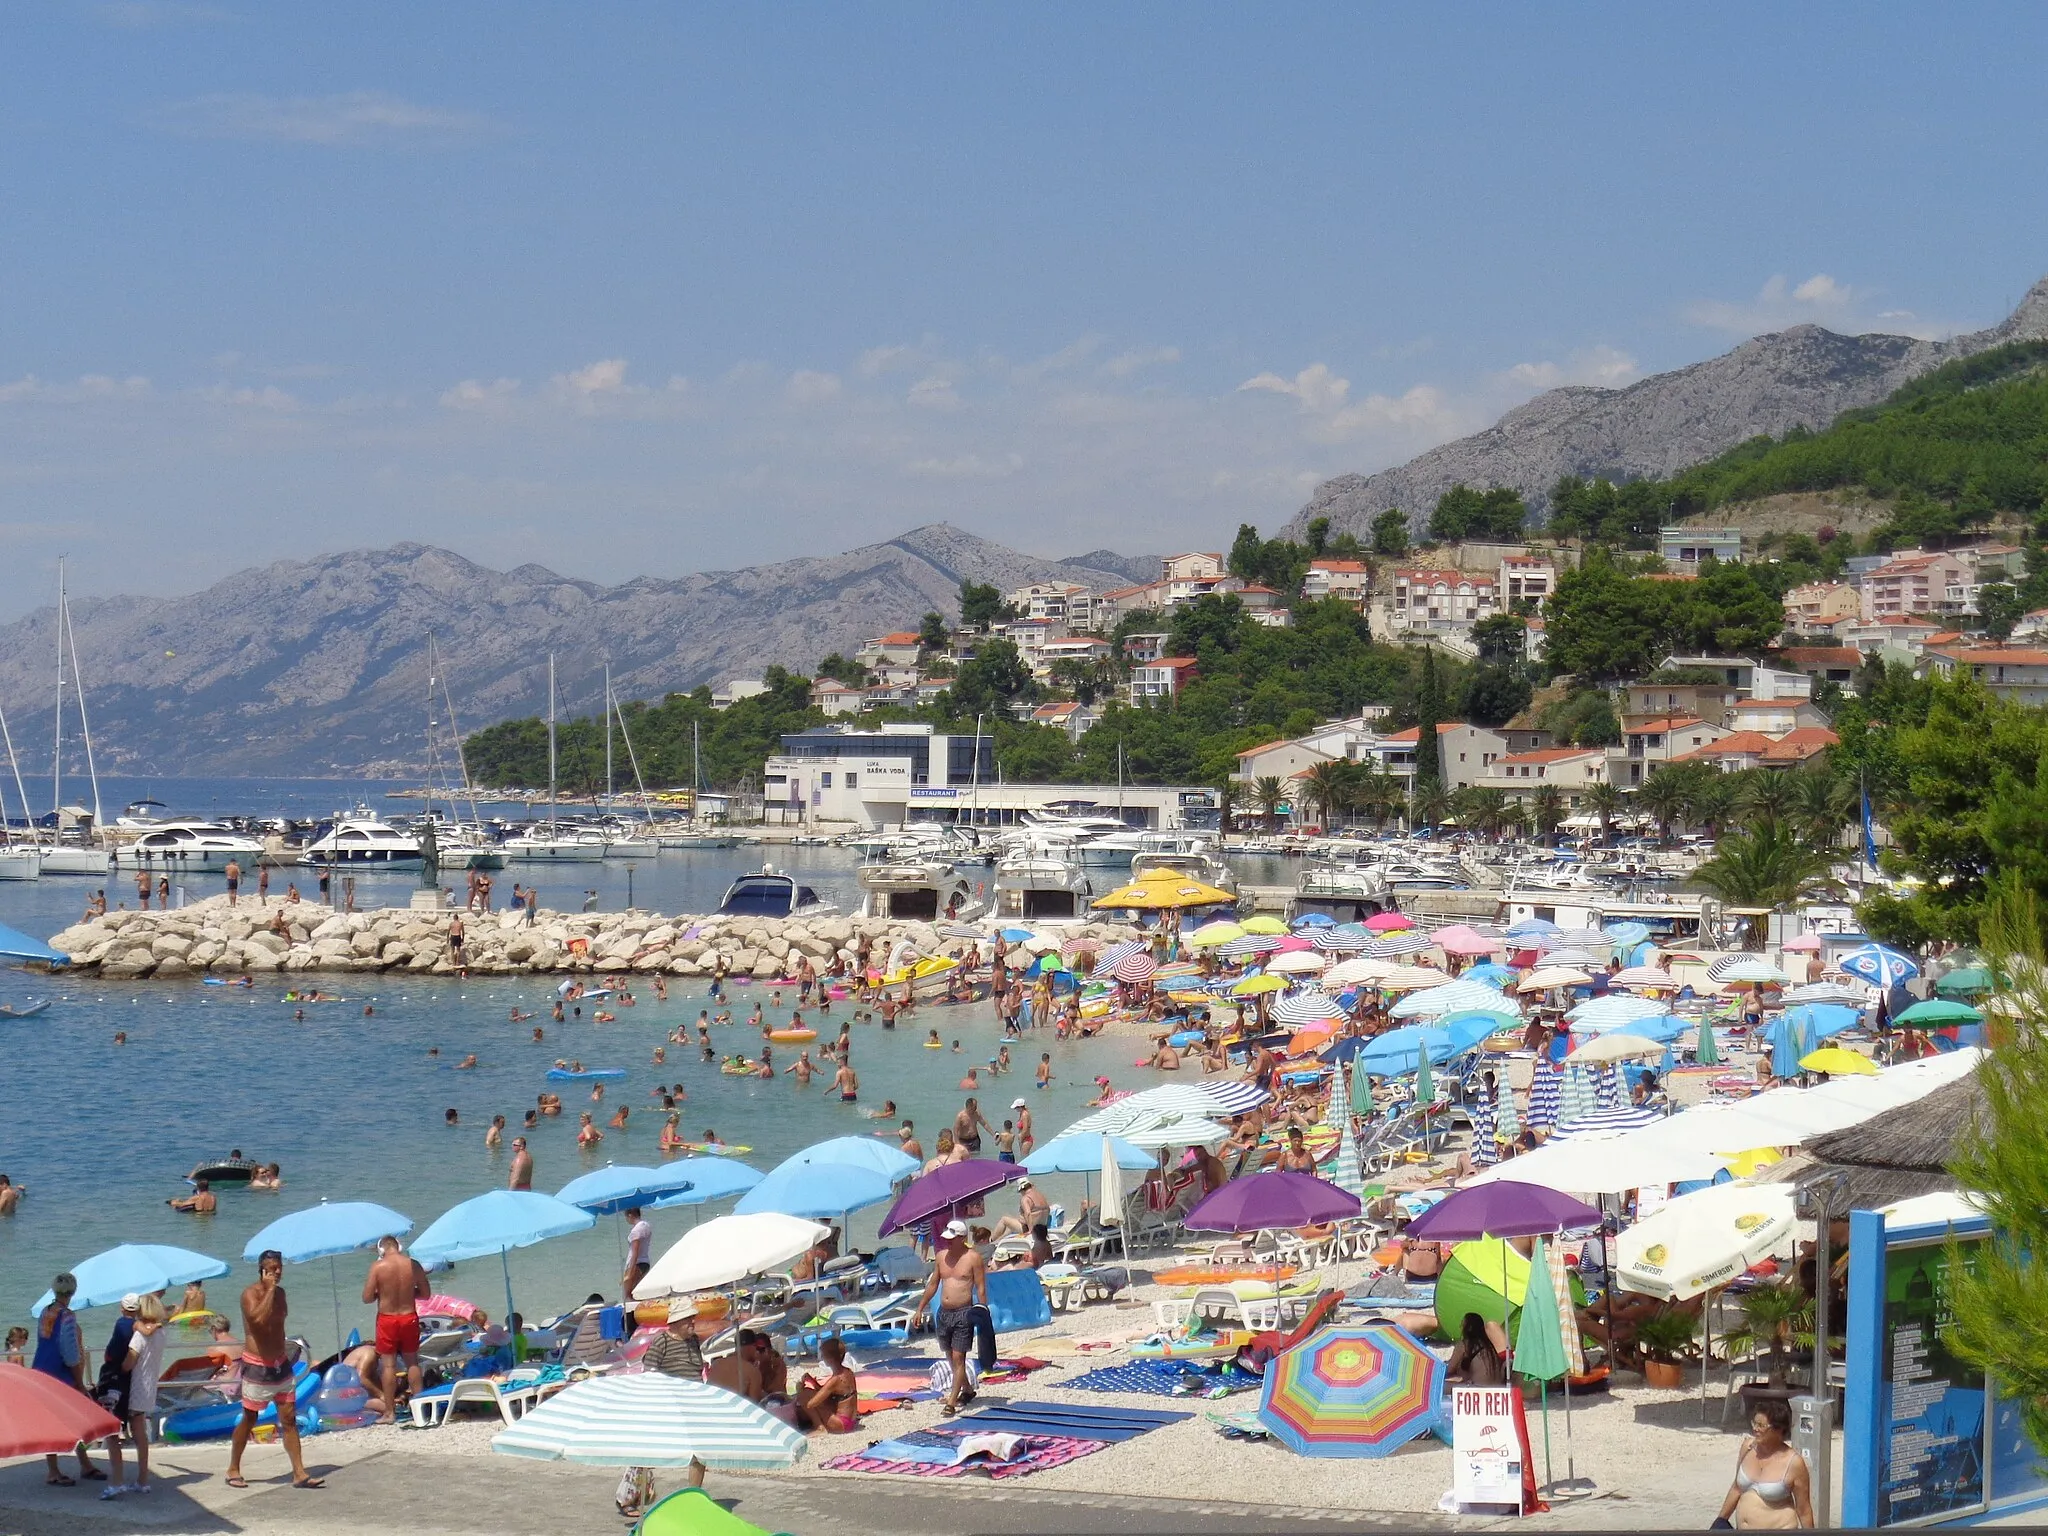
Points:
x=1292, y=943
x=1135, y=968
x=1463, y=939
x=1806, y=943
x=1387, y=922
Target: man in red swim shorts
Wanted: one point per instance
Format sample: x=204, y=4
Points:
x=398, y=1285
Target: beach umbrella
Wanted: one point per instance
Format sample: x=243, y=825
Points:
x=1293, y=943
x=1355, y=1391
x=42, y=1416
x=1388, y=922
x=1823, y=1021
x=1540, y=1350
x=1642, y=976
x=1606, y=1122
x=1346, y=973
x=1838, y=1061
x=496, y=1223
x=1789, y=1036
x=1248, y=946
x=1345, y=1170
x=1501, y=1210
x=815, y=1190
x=1936, y=1011
x=1278, y=1199
x=142, y=1268
x=651, y=1420
x=1487, y=1276
x=1014, y=935
x=1491, y=974
x=1705, y=1239
x=1394, y=945
x=1164, y=893
x=1409, y=978
x=327, y=1231
x=1403, y=1050
x=1664, y=1028
x=710, y=1178
x=1545, y=977
x=870, y=1152
x=1215, y=933
x=1829, y=992
x=1881, y=967
x=1136, y=968
x=1597, y=1015
x=1106, y=959
x=1232, y=1097
x=1707, y=1052
x=1966, y=982
x=1425, y=1085
x=1082, y=1153
x=1616, y=1047
x=1453, y=997
x=1749, y=973
x=1343, y=939
x=1307, y=1007
x=1463, y=939
x=1533, y=928
x=1305, y=962
x=727, y=1250
x=1314, y=920
x=1252, y=986
x=609, y=1190
x=1627, y=935
x=1170, y=1130
x=1264, y=924
x=944, y=1188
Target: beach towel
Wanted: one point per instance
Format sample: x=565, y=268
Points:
x=1031, y=1453
x=1165, y=1378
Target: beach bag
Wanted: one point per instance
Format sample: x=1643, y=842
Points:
x=941, y=1377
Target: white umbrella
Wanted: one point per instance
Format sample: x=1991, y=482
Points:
x=1546, y=977
x=1178, y=1131
x=1408, y=941
x=1642, y=976
x=725, y=1251
x=1111, y=1212
x=1829, y=992
x=1598, y=1014
x=1454, y=997
x=1307, y=1007
x=1350, y=973
x=1705, y=1239
x=1747, y=972
x=651, y=1420
x=1616, y=1047
x=1296, y=962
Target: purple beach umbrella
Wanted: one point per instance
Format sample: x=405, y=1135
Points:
x=1271, y=1200
x=939, y=1191
x=1501, y=1210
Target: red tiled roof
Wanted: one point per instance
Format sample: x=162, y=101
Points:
x=1449, y=578
x=1796, y=746
x=1740, y=744
x=1350, y=566
x=901, y=637
x=1663, y=723
x=1822, y=655
x=1413, y=733
x=1995, y=655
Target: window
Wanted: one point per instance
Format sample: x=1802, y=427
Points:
x=853, y=781
x=824, y=781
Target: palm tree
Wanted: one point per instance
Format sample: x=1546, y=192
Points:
x=1514, y=815
x=1822, y=805
x=1604, y=800
x=1328, y=786
x=1712, y=802
x=1665, y=796
x=1429, y=805
x=1547, y=811
x=1481, y=810
x=1226, y=805
x=1766, y=794
x=1269, y=794
x=1376, y=794
x=1766, y=866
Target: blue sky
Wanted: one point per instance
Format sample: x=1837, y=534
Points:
x=641, y=289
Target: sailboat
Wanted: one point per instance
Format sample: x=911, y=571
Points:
x=458, y=844
x=699, y=838
x=552, y=844
x=619, y=842
x=59, y=857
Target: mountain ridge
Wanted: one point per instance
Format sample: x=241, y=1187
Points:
x=319, y=666
x=1804, y=376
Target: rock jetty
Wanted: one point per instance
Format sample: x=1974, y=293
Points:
x=212, y=937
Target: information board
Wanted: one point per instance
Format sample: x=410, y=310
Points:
x=1931, y=1403
x=1486, y=1451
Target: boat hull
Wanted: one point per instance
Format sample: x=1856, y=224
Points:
x=17, y=865
x=91, y=862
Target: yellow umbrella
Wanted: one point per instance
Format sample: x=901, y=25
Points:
x=1264, y=924
x=1251, y=986
x=1837, y=1061
x=1215, y=933
x=1747, y=1164
x=1164, y=895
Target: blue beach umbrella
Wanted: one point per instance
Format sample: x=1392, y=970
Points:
x=710, y=1178
x=815, y=1190
x=1492, y=972
x=1661, y=1027
x=609, y=1190
x=106, y=1277
x=1629, y=934
x=1014, y=935
x=326, y=1231
x=1401, y=1050
x=1083, y=1154
x=498, y=1222
x=870, y=1152
x=1881, y=967
x=1823, y=1021
x=1533, y=928
x=1314, y=920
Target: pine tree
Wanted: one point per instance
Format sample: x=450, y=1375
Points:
x=1429, y=710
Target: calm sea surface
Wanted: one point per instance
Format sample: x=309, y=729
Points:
x=353, y=1108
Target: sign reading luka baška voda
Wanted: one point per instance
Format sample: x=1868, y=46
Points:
x=1486, y=1450
x=1932, y=1402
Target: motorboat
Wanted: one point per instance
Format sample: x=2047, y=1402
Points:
x=192, y=846
x=555, y=844
x=1350, y=893
x=360, y=840
x=774, y=894
x=697, y=840
x=1040, y=883
x=920, y=890
x=1408, y=875
x=625, y=841
x=458, y=845
x=1209, y=868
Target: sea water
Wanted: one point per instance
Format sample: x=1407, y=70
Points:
x=101, y=1135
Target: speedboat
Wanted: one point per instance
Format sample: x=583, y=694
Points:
x=921, y=890
x=364, y=840
x=1041, y=882
x=774, y=894
x=192, y=845
x=555, y=845
x=1349, y=893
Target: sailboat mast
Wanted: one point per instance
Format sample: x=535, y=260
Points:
x=607, y=728
x=57, y=735
x=551, y=743
x=84, y=725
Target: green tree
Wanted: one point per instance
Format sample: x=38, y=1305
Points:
x=1463, y=513
x=1318, y=536
x=981, y=605
x=1495, y=693
x=1602, y=625
x=1501, y=637
x=1604, y=801
x=1429, y=804
x=1328, y=787
x=992, y=681
x=1822, y=806
x=1765, y=866
x=932, y=633
x=1269, y=794
x=1547, y=810
x=1429, y=709
x=1998, y=605
x=1480, y=810
x=1764, y=794
x=1664, y=796
x=844, y=669
x=1390, y=534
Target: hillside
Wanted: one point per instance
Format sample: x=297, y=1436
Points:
x=317, y=666
x=1768, y=386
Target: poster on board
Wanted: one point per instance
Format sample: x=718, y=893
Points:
x=1486, y=1451
x=1932, y=1402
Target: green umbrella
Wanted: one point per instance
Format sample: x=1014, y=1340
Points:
x=1707, y=1053
x=1425, y=1087
x=1939, y=1010
x=1965, y=983
x=1539, y=1346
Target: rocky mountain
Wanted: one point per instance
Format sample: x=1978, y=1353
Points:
x=319, y=666
x=1805, y=376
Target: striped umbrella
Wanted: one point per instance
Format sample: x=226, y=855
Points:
x=1134, y=967
x=1235, y=1098
x=1454, y=997
x=1300, y=962
x=651, y=1420
x=1394, y=945
x=1306, y=1007
x=1607, y=1087
x=1106, y=960
x=1343, y=939
x=1642, y=976
x=1507, y=1119
x=1599, y=1014
x=1607, y=1122
x=1546, y=1089
x=1248, y=945
x=1352, y=1391
x=1746, y=970
x=1575, y=1095
x=1344, y=1170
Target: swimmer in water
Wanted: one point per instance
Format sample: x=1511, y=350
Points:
x=931, y=1038
x=537, y=1035
x=956, y=1047
x=433, y=1051
x=660, y=1055
x=520, y=1018
x=120, y=1037
x=451, y=1118
x=971, y=1083
x=618, y=1121
x=465, y=1064
x=1045, y=1069
x=558, y=1012
x=587, y=1134
x=886, y=1112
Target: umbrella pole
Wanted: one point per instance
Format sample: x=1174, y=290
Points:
x=1549, y=1476
x=505, y=1262
x=1706, y=1354
x=334, y=1291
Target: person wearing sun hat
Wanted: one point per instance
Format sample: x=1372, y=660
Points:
x=1025, y=1139
x=961, y=1280
x=676, y=1351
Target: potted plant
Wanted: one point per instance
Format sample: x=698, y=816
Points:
x=1778, y=1317
x=1666, y=1342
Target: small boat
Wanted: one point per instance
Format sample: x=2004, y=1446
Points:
x=191, y=846
x=917, y=889
x=362, y=839
x=773, y=894
x=9, y=1011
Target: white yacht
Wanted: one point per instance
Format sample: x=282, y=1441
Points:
x=192, y=845
x=555, y=844
x=1350, y=893
x=926, y=890
x=362, y=839
x=774, y=894
x=1193, y=864
x=19, y=863
x=672, y=838
x=1042, y=882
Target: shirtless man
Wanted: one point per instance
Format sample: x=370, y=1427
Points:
x=906, y=1137
x=968, y=1126
x=961, y=1279
x=10, y=1195
x=267, y=1372
x=200, y=1202
x=397, y=1284
x=522, y=1165
x=737, y=1371
x=1033, y=1209
x=801, y=1069
x=846, y=1083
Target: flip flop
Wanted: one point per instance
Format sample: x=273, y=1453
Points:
x=61, y=1481
x=311, y=1482
x=237, y=1481
x=93, y=1475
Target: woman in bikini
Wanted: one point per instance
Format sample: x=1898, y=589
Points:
x=833, y=1404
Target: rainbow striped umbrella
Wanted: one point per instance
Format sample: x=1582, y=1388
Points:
x=1352, y=1391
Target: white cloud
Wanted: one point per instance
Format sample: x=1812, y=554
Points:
x=1604, y=366
x=479, y=395
x=934, y=392
x=605, y=377
x=1316, y=387
x=1818, y=300
x=880, y=360
x=268, y=398
x=1124, y=364
x=348, y=118
x=807, y=387
x=968, y=466
x=93, y=386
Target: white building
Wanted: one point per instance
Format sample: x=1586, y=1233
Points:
x=1437, y=601
x=1569, y=770
x=1162, y=678
x=1062, y=602
x=1348, y=579
x=730, y=693
x=1526, y=579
